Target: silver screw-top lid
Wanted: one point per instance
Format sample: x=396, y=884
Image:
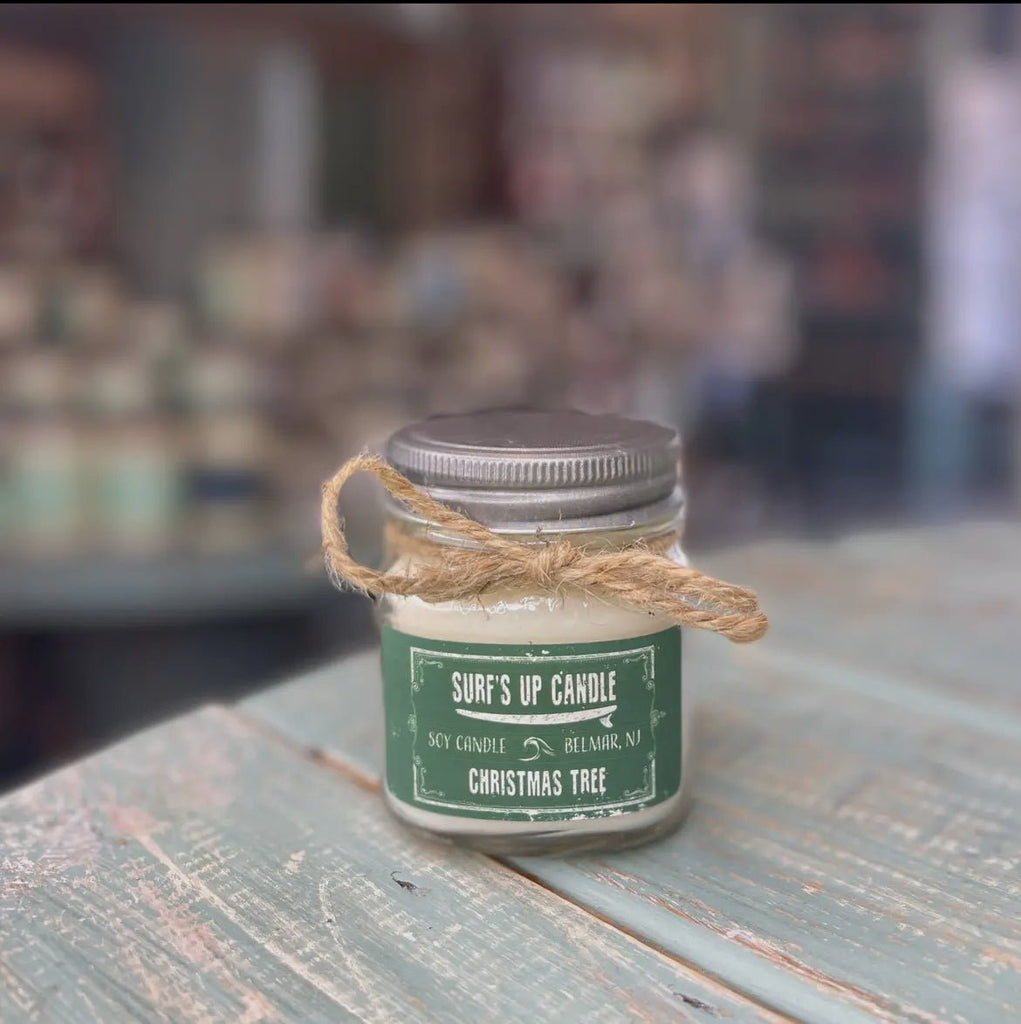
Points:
x=559, y=471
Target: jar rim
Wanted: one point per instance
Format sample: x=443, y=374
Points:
x=654, y=517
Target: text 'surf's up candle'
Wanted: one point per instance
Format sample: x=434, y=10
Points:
x=530, y=612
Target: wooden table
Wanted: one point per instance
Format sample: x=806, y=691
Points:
x=853, y=853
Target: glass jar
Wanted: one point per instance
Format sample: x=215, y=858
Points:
x=535, y=721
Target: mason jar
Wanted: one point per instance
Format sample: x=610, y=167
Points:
x=530, y=721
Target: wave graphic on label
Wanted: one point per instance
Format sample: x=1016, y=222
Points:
x=538, y=746
x=554, y=718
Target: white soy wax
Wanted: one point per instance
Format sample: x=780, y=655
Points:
x=530, y=721
x=540, y=620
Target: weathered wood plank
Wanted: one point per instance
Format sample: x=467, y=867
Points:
x=937, y=607
x=205, y=871
x=336, y=709
x=847, y=857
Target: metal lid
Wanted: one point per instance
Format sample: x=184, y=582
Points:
x=563, y=471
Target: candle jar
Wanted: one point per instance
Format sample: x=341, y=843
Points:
x=535, y=721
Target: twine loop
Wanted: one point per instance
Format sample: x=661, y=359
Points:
x=634, y=575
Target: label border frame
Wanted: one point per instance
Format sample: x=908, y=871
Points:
x=580, y=811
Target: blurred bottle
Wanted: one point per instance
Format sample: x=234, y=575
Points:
x=229, y=451
x=44, y=457
x=20, y=298
x=261, y=288
x=85, y=306
x=134, y=460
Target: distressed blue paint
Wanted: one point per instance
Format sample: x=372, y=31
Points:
x=854, y=846
x=204, y=871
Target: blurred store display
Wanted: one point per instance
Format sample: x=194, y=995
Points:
x=204, y=425
x=240, y=241
x=840, y=139
x=137, y=428
x=615, y=269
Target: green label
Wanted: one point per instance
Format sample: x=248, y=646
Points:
x=534, y=732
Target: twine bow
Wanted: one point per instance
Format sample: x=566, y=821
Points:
x=633, y=575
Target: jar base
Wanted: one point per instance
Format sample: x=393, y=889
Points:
x=527, y=839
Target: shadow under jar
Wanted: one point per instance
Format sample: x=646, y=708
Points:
x=530, y=721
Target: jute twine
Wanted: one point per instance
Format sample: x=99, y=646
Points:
x=634, y=575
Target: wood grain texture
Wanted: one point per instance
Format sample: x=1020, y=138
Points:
x=934, y=608
x=849, y=857
x=205, y=871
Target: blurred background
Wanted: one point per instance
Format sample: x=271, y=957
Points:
x=240, y=242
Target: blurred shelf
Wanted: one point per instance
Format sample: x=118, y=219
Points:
x=183, y=588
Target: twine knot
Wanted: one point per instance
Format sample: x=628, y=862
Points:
x=633, y=575
x=546, y=563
